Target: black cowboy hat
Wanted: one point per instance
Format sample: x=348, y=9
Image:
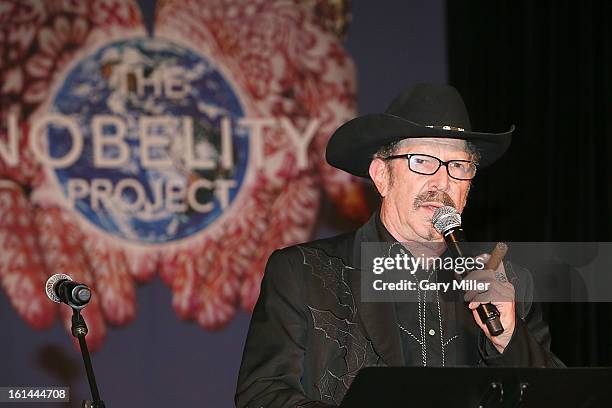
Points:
x=421, y=111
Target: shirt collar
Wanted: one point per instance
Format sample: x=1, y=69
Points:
x=383, y=234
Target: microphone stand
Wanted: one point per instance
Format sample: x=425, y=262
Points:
x=79, y=330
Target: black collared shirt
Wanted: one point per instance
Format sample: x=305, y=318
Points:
x=427, y=326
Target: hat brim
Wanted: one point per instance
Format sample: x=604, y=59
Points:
x=352, y=146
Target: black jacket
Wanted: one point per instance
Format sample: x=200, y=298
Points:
x=310, y=334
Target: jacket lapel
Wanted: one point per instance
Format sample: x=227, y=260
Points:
x=378, y=318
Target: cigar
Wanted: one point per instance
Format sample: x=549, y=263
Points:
x=496, y=256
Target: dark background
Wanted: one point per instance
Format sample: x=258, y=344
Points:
x=543, y=66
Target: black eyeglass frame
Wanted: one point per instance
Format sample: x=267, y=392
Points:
x=440, y=164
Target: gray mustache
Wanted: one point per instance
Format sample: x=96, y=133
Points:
x=433, y=196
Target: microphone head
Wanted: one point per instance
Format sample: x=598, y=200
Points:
x=81, y=294
x=50, y=286
x=446, y=218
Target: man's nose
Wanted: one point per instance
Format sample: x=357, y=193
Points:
x=440, y=179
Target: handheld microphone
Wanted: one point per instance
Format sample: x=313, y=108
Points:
x=447, y=221
x=60, y=288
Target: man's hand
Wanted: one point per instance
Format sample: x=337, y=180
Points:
x=500, y=293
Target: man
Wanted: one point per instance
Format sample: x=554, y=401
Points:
x=310, y=332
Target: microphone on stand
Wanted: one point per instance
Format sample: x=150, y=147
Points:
x=447, y=221
x=60, y=288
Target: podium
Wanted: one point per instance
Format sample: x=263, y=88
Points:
x=475, y=387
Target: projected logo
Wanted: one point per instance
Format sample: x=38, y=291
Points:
x=145, y=142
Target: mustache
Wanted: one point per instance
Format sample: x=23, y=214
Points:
x=433, y=197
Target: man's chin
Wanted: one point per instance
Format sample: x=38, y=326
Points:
x=427, y=232
x=432, y=235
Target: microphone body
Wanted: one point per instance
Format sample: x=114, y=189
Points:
x=60, y=288
x=448, y=222
x=453, y=238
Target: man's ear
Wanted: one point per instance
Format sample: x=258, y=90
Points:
x=379, y=173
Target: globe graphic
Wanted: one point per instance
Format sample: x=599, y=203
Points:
x=141, y=78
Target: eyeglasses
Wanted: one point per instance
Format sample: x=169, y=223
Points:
x=428, y=165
